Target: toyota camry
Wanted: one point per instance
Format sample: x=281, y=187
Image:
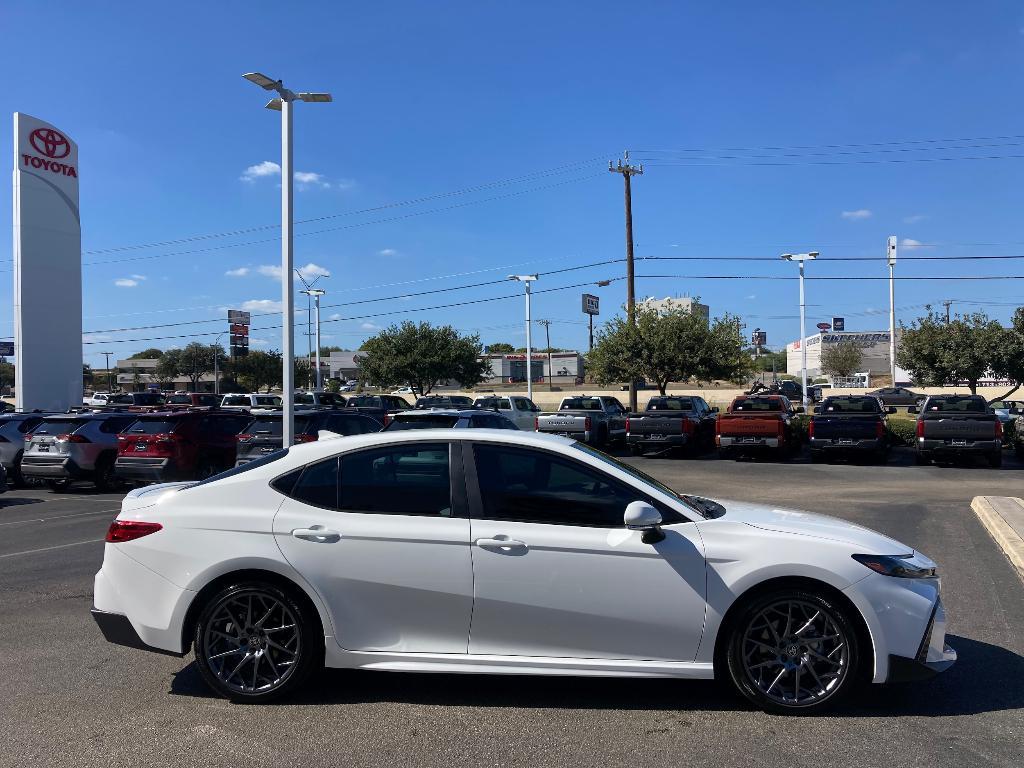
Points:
x=498, y=552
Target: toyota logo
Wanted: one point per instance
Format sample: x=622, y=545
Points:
x=49, y=142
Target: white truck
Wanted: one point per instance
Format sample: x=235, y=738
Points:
x=520, y=410
x=594, y=419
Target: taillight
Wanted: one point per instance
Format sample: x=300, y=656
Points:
x=810, y=428
x=129, y=530
x=718, y=425
x=243, y=436
x=686, y=426
x=387, y=419
x=73, y=438
x=627, y=426
x=586, y=423
x=304, y=438
x=29, y=436
x=920, y=429
x=999, y=429
x=879, y=430
x=536, y=424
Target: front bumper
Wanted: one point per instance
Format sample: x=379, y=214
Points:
x=55, y=467
x=824, y=444
x=933, y=655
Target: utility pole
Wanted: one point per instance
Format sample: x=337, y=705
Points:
x=628, y=171
x=547, y=336
x=526, y=280
x=801, y=258
x=110, y=387
x=892, y=308
x=947, y=304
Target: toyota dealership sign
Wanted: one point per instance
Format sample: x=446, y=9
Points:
x=47, y=267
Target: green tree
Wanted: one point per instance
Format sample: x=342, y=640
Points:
x=86, y=376
x=1009, y=358
x=842, y=359
x=192, y=362
x=669, y=346
x=169, y=366
x=421, y=356
x=147, y=354
x=500, y=348
x=964, y=349
x=257, y=370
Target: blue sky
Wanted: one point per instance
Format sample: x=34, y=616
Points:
x=438, y=98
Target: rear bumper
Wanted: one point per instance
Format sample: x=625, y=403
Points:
x=943, y=447
x=117, y=629
x=667, y=441
x=827, y=444
x=56, y=467
x=146, y=469
x=728, y=441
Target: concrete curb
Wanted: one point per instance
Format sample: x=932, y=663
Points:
x=993, y=512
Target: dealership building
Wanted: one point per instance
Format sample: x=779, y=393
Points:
x=874, y=349
x=556, y=368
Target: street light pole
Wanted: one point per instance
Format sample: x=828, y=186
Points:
x=526, y=280
x=284, y=103
x=892, y=308
x=800, y=258
x=110, y=387
x=317, y=293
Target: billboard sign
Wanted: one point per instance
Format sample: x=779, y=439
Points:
x=239, y=329
x=824, y=327
x=759, y=338
x=6, y=348
x=47, y=243
x=591, y=304
x=838, y=323
x=238, y=316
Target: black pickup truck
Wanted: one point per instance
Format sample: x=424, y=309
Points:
x=850, y=424
x=379, y=407
x=956, y=426
x=683, y=423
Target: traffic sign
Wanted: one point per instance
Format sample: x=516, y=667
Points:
x=591, y=304
x=6, y=348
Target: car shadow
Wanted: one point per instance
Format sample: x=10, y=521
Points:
x=976, y=683
x=10, y=500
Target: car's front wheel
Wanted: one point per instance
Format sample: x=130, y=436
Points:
x=254, y=642
x=793, y=652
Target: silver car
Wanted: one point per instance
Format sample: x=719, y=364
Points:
x=74, y=446
x=13, y=427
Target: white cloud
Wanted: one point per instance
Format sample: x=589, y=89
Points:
x=240, y=272
x=266, y=168
x=126, y=282
x=909, y=242
x=258, y=342
x=261, y=305
x=308, y=272
x=138, y=277
x=369, y=327
x=305, y=179
x=389, y=252
x=857, y=215
x=751, y=297
x=915, y=218
x=335, y=316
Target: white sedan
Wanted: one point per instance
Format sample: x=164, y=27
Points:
x=490, y=551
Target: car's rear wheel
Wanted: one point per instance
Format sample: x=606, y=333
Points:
x=255, y=642
x=59, y=485
x=793, y=652
x=17, y=479
x=105, y=479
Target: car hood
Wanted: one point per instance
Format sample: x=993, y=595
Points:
x=799, y=523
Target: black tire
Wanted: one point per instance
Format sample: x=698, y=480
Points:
x=995, y=460
x=601, y=437
x=922, y=459
x=56, y=486
x=765, y=656
x=817, y=456
x=636, y=450
x=105, y=480
x=725, y=453
x=227, y=652
x=17, y=478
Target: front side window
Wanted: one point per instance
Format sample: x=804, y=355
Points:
x=537, y=487
x=397, y=480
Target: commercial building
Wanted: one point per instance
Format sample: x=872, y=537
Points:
x=342, y=365
x=671, y=303
x=874, y=352
x=137, y=375
x=565, y=367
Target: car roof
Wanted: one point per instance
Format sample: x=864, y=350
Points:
x=427, y=412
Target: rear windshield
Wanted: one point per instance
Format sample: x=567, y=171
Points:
x=269, y=425
x=958, y=405
x=364, y=401
x=443, y=402
x=179, y=400
x=666, y=404
x=267, y=400
x=850, y=405
x=152, y=426
x=581, y=404
x=757, y=405
x=235, y=400
x=417, y=422
x=57, y=426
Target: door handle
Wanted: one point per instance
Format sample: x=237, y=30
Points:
x=316, y=533
x=503, y=543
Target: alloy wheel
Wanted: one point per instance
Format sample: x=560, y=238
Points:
x=795, y=653
x=252, y=643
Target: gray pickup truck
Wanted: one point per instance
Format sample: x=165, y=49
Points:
x=953, y=426
x=683, y=423
x=594, y=419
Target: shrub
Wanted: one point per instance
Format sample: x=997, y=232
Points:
x=903, y=430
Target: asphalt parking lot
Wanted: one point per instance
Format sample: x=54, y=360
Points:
x=69, y=698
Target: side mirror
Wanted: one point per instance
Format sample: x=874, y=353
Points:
x=714, y=409
x=641, y=516
x=891, y=409
x=912, y=409
x=799, y=409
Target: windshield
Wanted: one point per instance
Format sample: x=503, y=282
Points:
x=850, y=405
x=645, y=478
x=364, y=401
x=416, y=422
x=151, y=426
x=272, y=426
x=580, y=404
x=57, y=426
x=757, y=405
x=669, y=404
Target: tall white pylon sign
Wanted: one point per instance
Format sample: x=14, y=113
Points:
x=47, y=267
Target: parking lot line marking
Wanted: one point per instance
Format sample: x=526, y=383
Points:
x=47, y=549
x=60, y=517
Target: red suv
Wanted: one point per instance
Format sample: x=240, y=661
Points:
x=178, y=445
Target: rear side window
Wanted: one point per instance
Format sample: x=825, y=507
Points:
x=397, y=480
x=318, y=484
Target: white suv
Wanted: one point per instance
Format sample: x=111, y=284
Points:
x=253, y=402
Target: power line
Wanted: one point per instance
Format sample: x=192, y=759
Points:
x=841, y=153
x=657, y=163
x=841, y=146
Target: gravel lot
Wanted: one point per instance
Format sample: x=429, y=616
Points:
x=69, y=698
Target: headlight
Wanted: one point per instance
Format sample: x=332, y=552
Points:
x=900, y=566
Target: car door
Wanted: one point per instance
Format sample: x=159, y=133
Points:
x=557, y=574
x=382, y=536
x=521, y=413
